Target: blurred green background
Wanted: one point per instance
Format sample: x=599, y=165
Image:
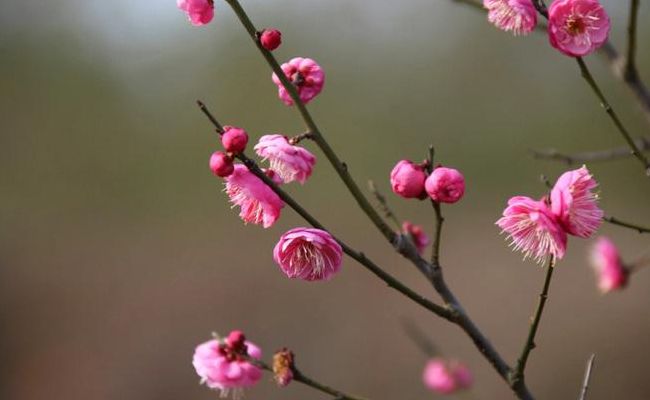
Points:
x=119, y=252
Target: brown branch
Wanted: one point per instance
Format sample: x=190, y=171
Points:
x=643, y=143
x=616, y=221
x=585, y=382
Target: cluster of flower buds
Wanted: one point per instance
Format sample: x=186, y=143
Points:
x=575, y=27
x=234, y=141
x=539, y=228
x=443, y=185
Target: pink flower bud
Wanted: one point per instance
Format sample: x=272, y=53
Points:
x=577, y=27
x=234, y=139
x=445, y=185
x=420, y=239
x=407, y=179
x=221, y=164
x=608, y=266
x=309, y=254
x=271, y=39
x=446, y=377
x=199, y=12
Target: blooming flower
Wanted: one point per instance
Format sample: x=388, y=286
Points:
x=271, y=39
x=221, y=164
x=199, y=12
x=407, y=179
x=574, y=203
x=420, y=239
x=309, y=254
x=609, y=268
x=224, y=366
x=516, y=16
x=445, y=185
x=533, y=229
x=234, y=140
x=258, y=203
x=446, y=377
x=577, y=27
x=290, y=162
x=307, y=77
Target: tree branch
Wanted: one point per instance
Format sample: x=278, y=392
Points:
x=585, y=382
x=299, y=376
x=631, y=72
x=529, y=345
x=643, y=143
x=616, y=221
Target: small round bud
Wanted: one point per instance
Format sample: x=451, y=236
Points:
x=407, y=179
x=283, y=367
x=271, y=39
x=221, y=164
x=445, y=185
x=234, y=139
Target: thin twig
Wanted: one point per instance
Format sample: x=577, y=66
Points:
x=643, y=143
x=356, y=255
x=631, y=72
x=435, y=253
x=612, y=114
x=585, y=382
x=340, y=167
x=299, y=376
x=383, y=204
x=529, y=345
x=616, y=221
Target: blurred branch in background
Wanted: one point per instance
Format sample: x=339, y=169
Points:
x=585, y=382
x=616, y=221
x=643, y=143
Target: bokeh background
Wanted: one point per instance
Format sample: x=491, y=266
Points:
x=119, y=251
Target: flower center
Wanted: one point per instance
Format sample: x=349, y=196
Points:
x=575, y=25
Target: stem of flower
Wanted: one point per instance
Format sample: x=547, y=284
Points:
x=340, y=167
x=529, y=345
x=383, y=204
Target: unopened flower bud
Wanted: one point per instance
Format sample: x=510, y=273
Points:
x=221, y=164
x=445, y=185
x=234, y=139
x=283, y=367
x=407, y=179
x=271, y=39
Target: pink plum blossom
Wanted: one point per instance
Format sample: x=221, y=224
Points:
x=258, y=203
x=234, y=140
x=223, y=364
x=608, y=266
x=271, y=39
x=221, y=164
x=575, y=204
x=516, y=16
x=199, y=12
x=533, y=229
x=577, y=27
x=420, y=239
x=290, y=162
x=407, y=179
x=446, y=377
x=307, y=77
x=445, y=185
x=309, y=254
